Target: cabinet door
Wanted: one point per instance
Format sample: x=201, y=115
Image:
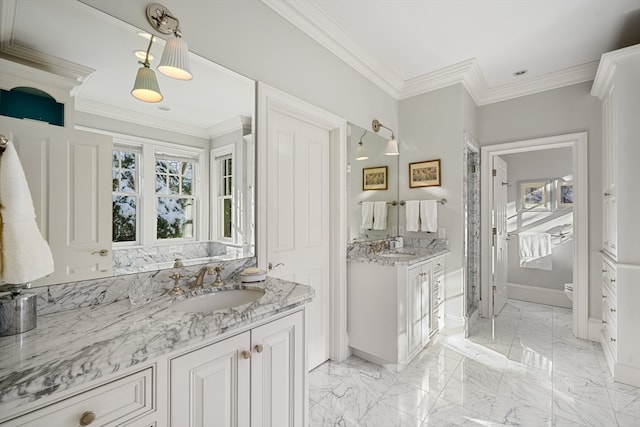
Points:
x=210, y=386
x=278, y=368
x=414, y=310
x=426, y=277
x=69, y=176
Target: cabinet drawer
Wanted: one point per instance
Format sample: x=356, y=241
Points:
x=438, y=265
x=609, y=303
x=609, y=339
x=438, y=289
x=609, y=275
x=113, y=404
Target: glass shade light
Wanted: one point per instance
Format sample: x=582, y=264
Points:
x=361, y=153
x=392, y=148
x=175, y=60
x=146, y=86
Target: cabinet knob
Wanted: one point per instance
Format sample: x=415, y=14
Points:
x=607, y=193
x=604, y=270
x=604, y=296
x=604, y=322
x=258, y=348
x=613, y=339
x=612, y=280
x=87, y=418
x=613, y=310
x=246, y=354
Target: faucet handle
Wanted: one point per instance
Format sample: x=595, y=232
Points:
x=176, y=290
x=218, y=280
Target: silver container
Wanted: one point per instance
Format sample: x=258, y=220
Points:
x=17, y=313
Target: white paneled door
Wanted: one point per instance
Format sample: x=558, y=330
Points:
x=298, y=216
x=500, y=234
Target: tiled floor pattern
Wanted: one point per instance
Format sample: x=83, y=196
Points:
x=535, y=373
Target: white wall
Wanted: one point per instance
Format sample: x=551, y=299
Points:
x=531, y=166
x=560, y=111
x=251, y=39
x=431, y=127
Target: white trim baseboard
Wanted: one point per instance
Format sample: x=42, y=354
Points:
x=538, y=295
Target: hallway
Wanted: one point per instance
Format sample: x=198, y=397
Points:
x=535, y=373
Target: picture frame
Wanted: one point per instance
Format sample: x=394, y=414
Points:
x=534, y=195
x=565, y=194
x=425, y=174
x=374, y=178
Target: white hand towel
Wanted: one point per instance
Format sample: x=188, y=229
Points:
x=412, y=210
x=24, y=254
x=429, y=215
x=367, y=216
x=535, y=250
x=379, y=215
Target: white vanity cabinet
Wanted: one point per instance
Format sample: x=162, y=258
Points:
x=127, y=401
x=391, y=309
x=252, y=379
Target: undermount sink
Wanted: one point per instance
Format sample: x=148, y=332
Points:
x=397, y=255
x=218, y=300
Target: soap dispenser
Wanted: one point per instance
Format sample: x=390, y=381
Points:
x=17, y=309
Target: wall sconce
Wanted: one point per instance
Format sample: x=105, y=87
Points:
x=361, y=153
x=175, y=57
x=146, y=86
x=392, y=145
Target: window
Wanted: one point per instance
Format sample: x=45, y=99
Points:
x=225, y=196
x=175, y=197
x=126, y=196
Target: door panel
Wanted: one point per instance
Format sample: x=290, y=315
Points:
x=500, y=237
x=298, y=235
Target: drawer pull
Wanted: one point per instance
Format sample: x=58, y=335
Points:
x=612, y=339
x=612, y=280
x=246, y=354
x=607, y=194
x=613, y=310
x=87, y=418
x=604, y=296
x=604, y=270
x=258, y=348
x=604, y=322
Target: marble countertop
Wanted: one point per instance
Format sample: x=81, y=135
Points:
x=76, y=346
x=394, y=257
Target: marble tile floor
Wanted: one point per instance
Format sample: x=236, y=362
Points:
x=535, y=373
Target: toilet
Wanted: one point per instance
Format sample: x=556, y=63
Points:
x=568, y=290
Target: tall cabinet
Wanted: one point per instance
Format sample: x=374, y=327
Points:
x=617, y=85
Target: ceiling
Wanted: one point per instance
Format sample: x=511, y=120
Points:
x=69, y=37
x=412, y=46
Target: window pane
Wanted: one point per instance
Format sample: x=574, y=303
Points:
x=186, y=186
x=124, y=219
x=174, y=166
x=174, y=184
x=128, y=181
x=161, y=166
x=115, y=175
x=161, y=184
x=175, y=218
x=227, y=218
x=188, y=170
x=128, y=160
x=116, y=158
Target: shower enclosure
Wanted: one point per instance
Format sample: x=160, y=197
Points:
x=471, y=196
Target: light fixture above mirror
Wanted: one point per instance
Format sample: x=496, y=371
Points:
x=392, y=145
x=361, y=152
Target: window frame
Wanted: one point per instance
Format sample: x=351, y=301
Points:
x=217, y=204
x=139, y=193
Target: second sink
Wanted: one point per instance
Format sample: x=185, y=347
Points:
x=218, y=300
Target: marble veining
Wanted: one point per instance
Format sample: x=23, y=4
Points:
x=481, y=381
x=424, y=250
x=69, y=348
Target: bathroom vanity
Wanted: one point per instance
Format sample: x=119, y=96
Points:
x=395, y=303
x=151, y=365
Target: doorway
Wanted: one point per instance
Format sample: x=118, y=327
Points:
x=577, y=142
x=301, y=211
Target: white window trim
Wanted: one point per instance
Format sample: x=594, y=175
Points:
x=215, y=174
x=139, y=207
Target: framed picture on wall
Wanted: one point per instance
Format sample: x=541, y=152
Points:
x=534, y=195
x=374, y=178
x=424, y=174
x=565, y=194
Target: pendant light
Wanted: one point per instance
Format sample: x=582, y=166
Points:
x=392, y=145
x=145, y=87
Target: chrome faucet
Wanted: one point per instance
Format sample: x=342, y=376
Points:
x=200, y=277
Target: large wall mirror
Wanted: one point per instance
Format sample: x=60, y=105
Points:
x=373, y=177
x=183, y=168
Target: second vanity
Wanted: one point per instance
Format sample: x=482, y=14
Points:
x=395, y=303
x=154, y=366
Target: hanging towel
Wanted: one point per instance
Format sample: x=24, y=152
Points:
x=412, y=210
x=24, y=255
x=379, y=215
x=429, y=216
x=535, y=250
x=367, y=216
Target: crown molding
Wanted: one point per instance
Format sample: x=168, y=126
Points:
x=607, y=69
x=557, y=79
x=99, y=109
x=318, y=25
x=13, y=51
x=231, y=125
